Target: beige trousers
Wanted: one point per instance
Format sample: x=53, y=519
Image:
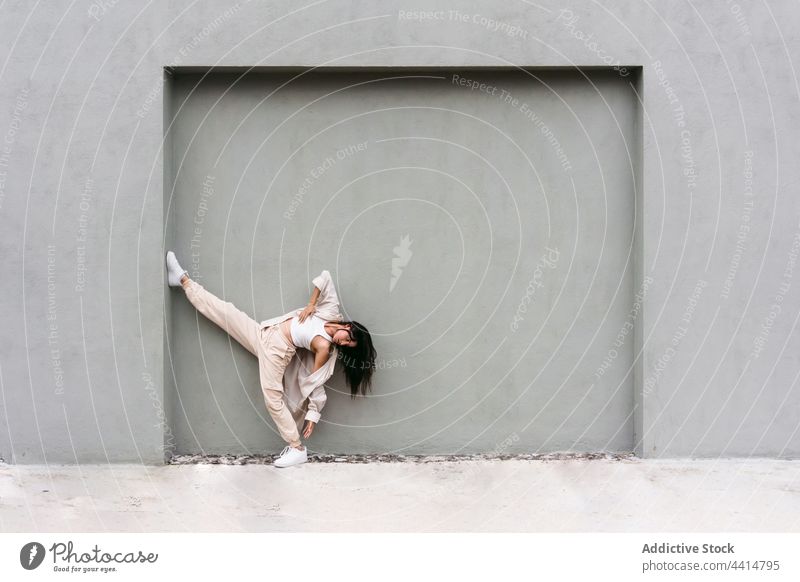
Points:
x=268, y=344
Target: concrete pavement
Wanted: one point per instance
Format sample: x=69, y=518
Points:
x=514, y=495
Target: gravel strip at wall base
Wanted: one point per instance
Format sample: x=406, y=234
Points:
x=392, y=458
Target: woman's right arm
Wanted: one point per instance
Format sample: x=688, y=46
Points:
x=328, y=301
x=311, y=307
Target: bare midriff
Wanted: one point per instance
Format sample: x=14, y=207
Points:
x=286, y=328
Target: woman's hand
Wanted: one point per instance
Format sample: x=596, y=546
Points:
x=309, y=310
x=309, y=428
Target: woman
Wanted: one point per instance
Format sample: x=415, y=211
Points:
x=315, y=334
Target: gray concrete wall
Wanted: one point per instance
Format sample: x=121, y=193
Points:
x=86, y=371
x=518, y=271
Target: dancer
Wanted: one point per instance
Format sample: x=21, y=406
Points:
x=316, y=335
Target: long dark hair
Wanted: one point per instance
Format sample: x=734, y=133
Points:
x=358, y=362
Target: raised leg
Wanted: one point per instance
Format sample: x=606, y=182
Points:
x=237, y=323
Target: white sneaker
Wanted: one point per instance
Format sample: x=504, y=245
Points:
x=291, y=456
x=174, y=270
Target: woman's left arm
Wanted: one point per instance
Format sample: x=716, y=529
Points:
x=317, y=398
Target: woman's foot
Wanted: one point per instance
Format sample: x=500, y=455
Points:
x=175, y=273
x=291, y=456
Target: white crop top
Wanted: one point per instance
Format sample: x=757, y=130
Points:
x=303, y=333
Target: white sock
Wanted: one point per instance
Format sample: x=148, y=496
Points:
x=174, y=270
